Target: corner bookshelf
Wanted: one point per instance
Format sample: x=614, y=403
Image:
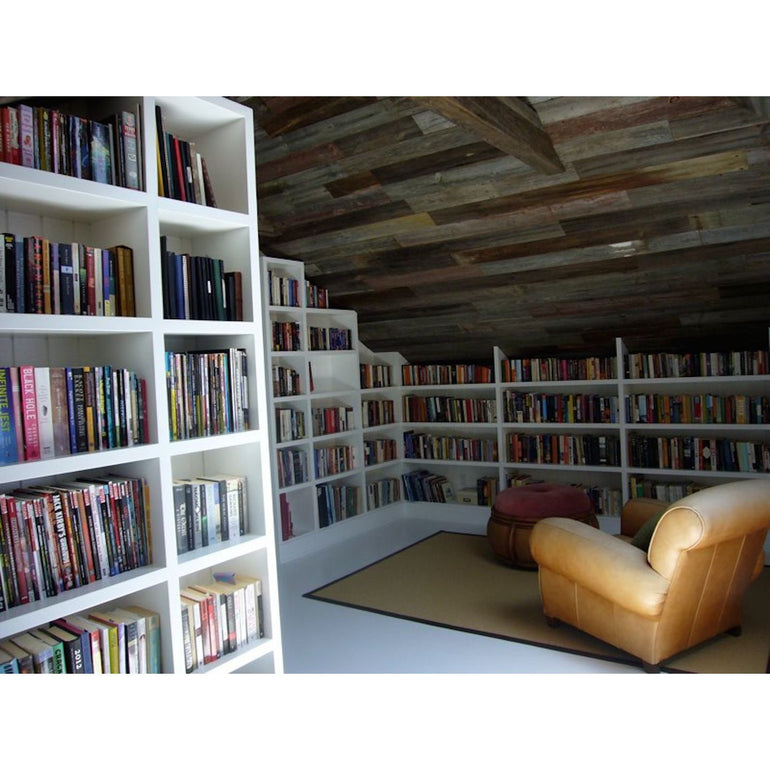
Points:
x=335, y=432
x=67, y=209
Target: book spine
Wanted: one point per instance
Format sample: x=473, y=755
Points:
x=29, y=413
x=44, y=412
x=9, y=451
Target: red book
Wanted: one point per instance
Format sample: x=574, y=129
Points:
x=29, y=413
x=18, y=544
x=90, y=258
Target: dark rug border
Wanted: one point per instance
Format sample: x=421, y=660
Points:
x=627, y=661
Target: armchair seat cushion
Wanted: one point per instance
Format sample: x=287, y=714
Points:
x=602, y=563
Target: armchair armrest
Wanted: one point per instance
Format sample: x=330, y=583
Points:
x=604, y=564
x=637, y=511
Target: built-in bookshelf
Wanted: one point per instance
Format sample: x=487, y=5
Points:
x=342, y=464
x=455, y=434
x=166, y=399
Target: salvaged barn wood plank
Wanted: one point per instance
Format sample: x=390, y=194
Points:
x=657, y=229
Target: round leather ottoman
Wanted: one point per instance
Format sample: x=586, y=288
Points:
x=517, y=509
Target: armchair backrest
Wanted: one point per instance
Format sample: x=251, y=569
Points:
x=708, y=545
x=730, y=520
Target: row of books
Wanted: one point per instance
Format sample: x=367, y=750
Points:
x=209, y=510
x=563, y=449
x=425, y=486
x=559, y=407
x=41, y=276
x=283, y=290
x=329, y=338
x=48, y=412
x=331, y=460
x=332, y=419
x=606, y=501
x=62, y=535
x=119, y=640
x=668, y=491
x=336, y=503
x=552, y=369
x=382, y=492
x=220, y=617
x=376, y=412
x=286, y=336
x=483, y=493
x=700, y=454
x=286, y=382
x=208, y=393
x=199, y=288
x=706, y=409
x=182, y=171
x=375, y=376
x=107, y=150
x=719, y=364
x=316, y=296
x=449, y=409
x=457, y=448
x=446, y=374
x=289, y=424
x=292, y=467
x=379, y=450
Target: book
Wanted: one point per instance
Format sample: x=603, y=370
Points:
x=10, y=259
x=100, y=152
x=29, y=413
x=59, y=410
x=191, y=611
x=130, y=153
x=22, y=657
x=57, y=647
x=9, y=451
x=44, y=412
x=41, y=652
x=8, y=662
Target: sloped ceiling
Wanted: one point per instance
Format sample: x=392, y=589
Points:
x=538, y=224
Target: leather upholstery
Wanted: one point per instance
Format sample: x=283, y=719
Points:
x=687, y=588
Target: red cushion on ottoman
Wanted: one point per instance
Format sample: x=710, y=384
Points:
x=517, y=509
x=533, y=502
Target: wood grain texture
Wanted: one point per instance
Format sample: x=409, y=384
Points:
x=655, y=225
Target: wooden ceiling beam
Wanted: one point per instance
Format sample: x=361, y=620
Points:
x=507, y=123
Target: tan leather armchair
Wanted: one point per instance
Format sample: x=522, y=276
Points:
x=686, y=588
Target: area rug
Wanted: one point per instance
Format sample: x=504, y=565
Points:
x=452, y=580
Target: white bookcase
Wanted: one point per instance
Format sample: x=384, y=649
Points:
x=323, y=380
x=58, y=207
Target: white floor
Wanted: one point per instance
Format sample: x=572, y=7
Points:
x=319, y=637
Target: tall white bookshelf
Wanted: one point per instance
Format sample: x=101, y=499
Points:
x=325, y=381
x=63, y=208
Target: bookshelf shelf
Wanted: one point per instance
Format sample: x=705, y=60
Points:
x=68, y=209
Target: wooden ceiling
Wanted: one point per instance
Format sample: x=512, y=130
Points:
x=541, y=225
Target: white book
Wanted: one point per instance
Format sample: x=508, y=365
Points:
x=44, y=413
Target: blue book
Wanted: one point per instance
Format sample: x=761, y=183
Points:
x=9, y=452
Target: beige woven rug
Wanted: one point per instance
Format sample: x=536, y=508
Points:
x=453, y=580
